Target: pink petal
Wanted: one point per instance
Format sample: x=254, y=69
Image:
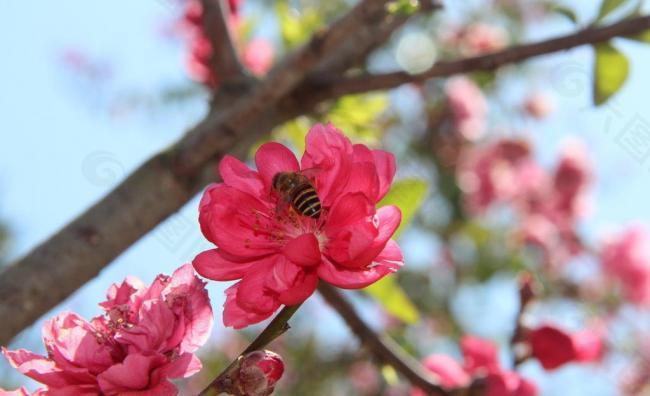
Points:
x=391, y=257
x=351, y=279
x=389, y=218
x=272, y=158
x=190, y=303
x=293, y=283
x=235, y=316
x=156, y=323
x=385, y=164
x=253, y=293
x=237, y=175
x=183, y=366
x=133, y=374
x=449, y=372
x=479, y=354
x=364, y=180
x=303, y=250
x=328, y=150
x=39, y=368
x=228, y=218
x=347, y=210
x=218, y=265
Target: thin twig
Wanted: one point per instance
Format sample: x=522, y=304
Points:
x=225, y=60
x=382, y=347
x=365, y=83
x=278, y=326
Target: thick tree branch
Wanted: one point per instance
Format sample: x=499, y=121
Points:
x=334, y=87
x=225, y=60
x=224, y=382
x=383, y=348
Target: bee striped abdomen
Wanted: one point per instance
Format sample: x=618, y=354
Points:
x=305, y=201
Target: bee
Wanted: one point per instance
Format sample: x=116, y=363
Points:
x=297, y=190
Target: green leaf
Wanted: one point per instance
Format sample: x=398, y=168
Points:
x=607, y=6
x=389, y=374
x=402, y=7
x=357, y=116
x=565, y=12
x=611, y=71
x=408, y=195
x=296, y=27
x=643, y=37
x=391, y=296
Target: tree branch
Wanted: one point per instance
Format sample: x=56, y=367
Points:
x=382, y=347
x=334, y=87
x=225, y=60
x=224, y=382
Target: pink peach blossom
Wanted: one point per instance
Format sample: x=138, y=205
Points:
x=279, y=257
x=480, y=360
x=538, y=105
x=554, y=347
x=258, y=56
x=481, y=38
x=468, y=107
x=146, y=337
x=626, y=258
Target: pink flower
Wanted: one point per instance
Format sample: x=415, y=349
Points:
x=468, y=107
x=498, y=172
x=626, y=258
x=480, y=360
x=279, y=255
x=571, y=178
x=258, y=56
x=554, y=347
x=538, y=105
x=146, y=336
x=259, y=372
x=481, y=38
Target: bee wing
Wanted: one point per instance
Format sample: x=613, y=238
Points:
x=310, y=173
x=283, y=204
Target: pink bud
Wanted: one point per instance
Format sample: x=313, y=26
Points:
x=258, y=373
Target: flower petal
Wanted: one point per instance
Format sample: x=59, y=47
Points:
x=351, y=279
x=218, y=265
x=385, y=164
x=44, y=370
x=293, y=283
x=235, y=316
x=303, y=250
x=327, y=149
x=272, y=158
x=237, y=175
x=183, y=366
x=229, y=219
x=133, y=374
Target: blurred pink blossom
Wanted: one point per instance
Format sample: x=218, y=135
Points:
x=626, y=258
x=259, y=371
x=554, y=347
x=468, y=107
x=480, y=359
x=538, y=105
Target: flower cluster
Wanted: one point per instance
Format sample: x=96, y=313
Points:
x=549, y=204
x=257, y=54
x=146, y=336
x=278, y=254
x=480, y=359
x=626, y=258
x=554, y=347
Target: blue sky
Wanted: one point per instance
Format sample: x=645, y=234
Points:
x=58, y=154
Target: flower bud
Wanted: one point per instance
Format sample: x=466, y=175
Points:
x=258, y=373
